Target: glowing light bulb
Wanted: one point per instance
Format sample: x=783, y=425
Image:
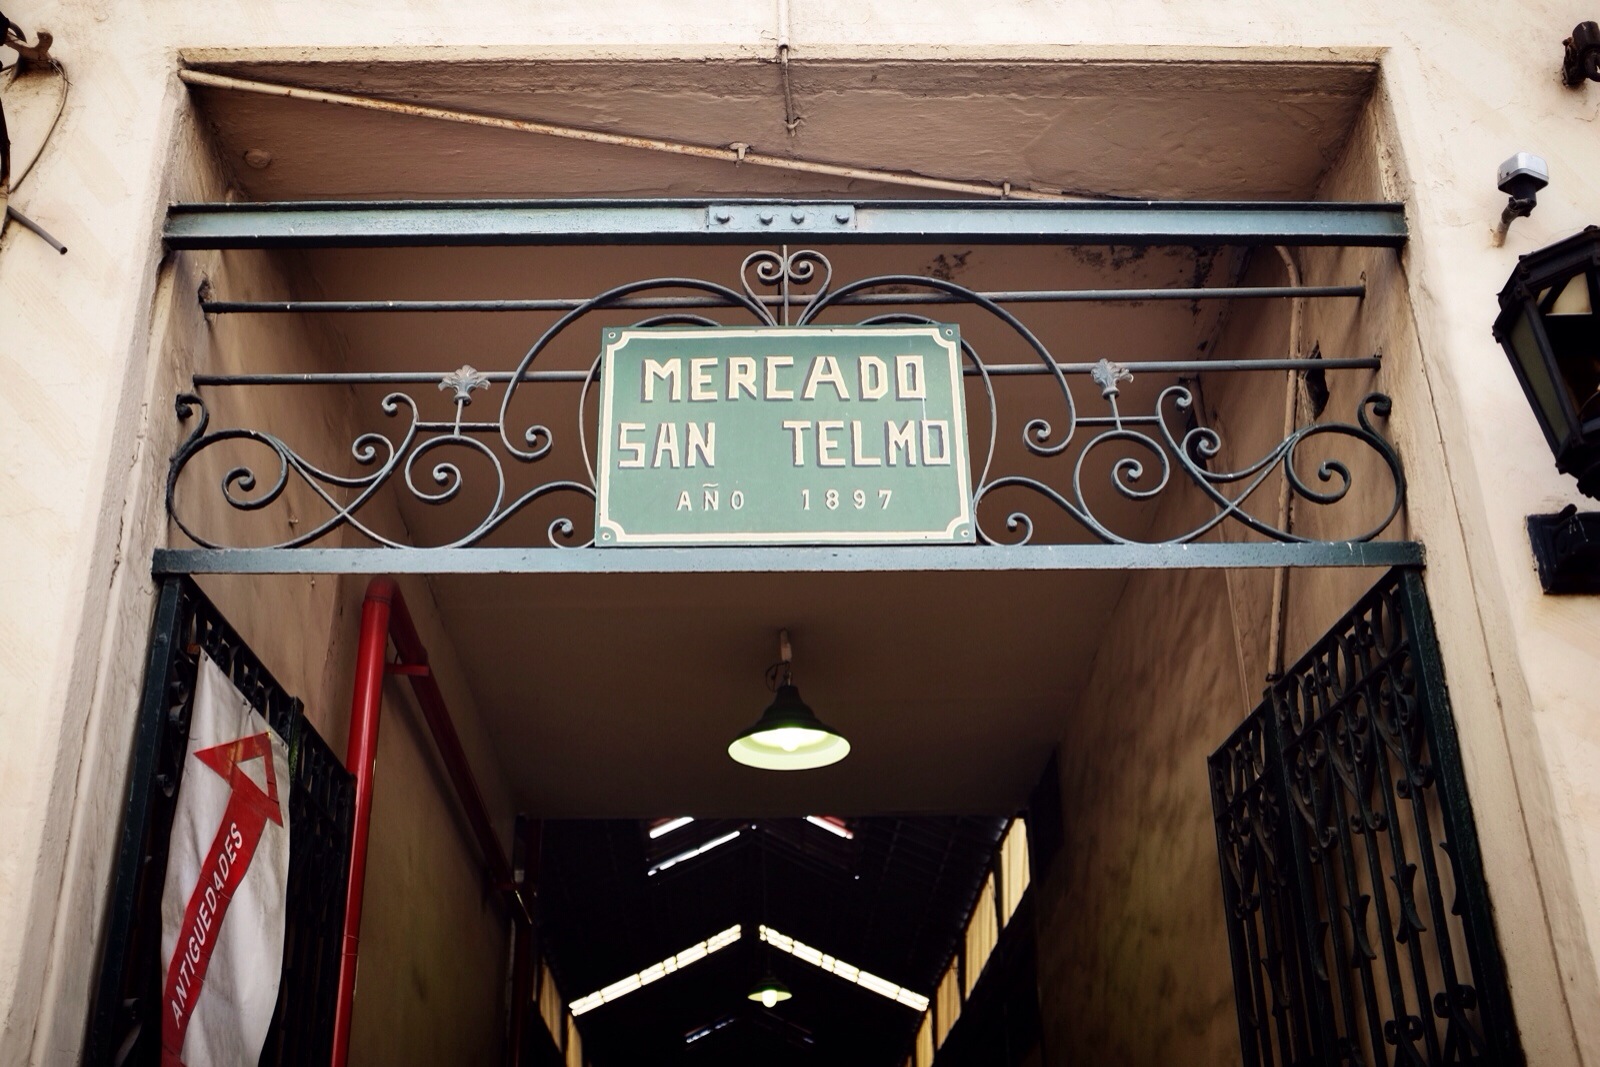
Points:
x=790, y=738
x=769, y=998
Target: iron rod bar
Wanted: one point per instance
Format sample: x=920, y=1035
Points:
x=1025, y=296
x=1190, y=366
x=1001, y=370
x=106, y=1027
x=1487, y=966
x=798, y=560
x=740, y=156
x=471, y=223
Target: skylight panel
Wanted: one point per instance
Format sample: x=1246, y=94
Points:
x=666, y=826
x=850, y=973
x=699, y=850
x=657, y=971
x=834, y=826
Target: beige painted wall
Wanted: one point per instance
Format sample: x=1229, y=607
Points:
x=434, y=942
x=1133, y=960
x=1467, y=83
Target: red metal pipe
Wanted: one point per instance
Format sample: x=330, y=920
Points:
x=384, y=617
x=408, y=645
x=362, y=756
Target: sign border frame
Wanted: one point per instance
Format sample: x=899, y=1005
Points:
x=615, y=338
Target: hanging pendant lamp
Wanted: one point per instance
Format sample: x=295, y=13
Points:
x=788, y=736
x=770, y=992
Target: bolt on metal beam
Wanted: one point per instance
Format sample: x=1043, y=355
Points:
x=403, y=224
x=892, y=559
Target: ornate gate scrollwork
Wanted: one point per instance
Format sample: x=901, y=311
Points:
x=125, y=1024
x=1148, y=452
x=1357, y=911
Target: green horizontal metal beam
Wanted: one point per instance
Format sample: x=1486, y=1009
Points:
x=909, y=558
x=401, y=224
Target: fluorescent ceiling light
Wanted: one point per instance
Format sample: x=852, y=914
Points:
x=865, y=979
x=666, y=827
x=700, y=850
x=832, y=825
x=657, y=971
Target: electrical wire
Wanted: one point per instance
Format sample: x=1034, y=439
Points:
x=61, y=107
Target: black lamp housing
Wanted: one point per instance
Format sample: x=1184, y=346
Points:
x=1566, y=549
x=1549, y=326
x=1582, y=61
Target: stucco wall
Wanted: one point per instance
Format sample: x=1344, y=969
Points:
x=1133, y=955
x=1517, y=800
x=433, y=939
x=1133, y=959
x=433, y=942
x=1467, y=85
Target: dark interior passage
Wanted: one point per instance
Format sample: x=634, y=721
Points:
x=886, y=896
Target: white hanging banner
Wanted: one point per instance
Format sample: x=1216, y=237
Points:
x=223, y=905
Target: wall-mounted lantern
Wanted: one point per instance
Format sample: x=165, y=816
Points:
x=1550, y=330
x=1582, y=60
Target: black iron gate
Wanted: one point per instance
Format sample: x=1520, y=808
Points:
x=124, y=1027
x=1357, y=912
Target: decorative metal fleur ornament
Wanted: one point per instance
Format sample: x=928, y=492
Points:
x=1107, y=375
x=464, y=380
x=1148, y=451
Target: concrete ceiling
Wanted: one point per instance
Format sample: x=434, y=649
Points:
x=614, y=696
x=617, y=696
x=1163, y=129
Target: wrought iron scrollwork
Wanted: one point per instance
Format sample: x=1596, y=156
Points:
x=125, y=1025
x=1146, y=452
x=1357, y=909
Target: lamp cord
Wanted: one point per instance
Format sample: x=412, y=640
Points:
x=779, y=674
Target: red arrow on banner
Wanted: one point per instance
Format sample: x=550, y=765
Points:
x=243, y=821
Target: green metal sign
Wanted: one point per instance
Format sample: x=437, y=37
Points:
x=782, y=435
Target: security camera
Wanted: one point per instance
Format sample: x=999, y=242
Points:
x=1520, y=178
x=1582, y=61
